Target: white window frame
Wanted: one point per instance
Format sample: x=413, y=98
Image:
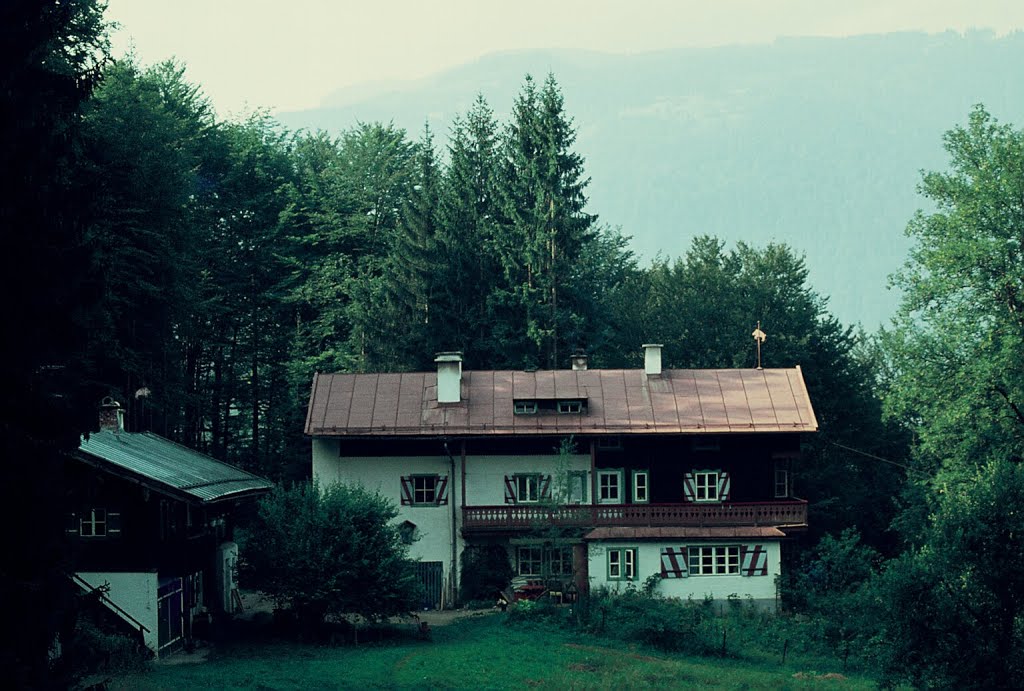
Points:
x=527, y=481
x=616, y=473
x=420, y=493
x=93, y=523
x=713, y=560
x=709, y=485
x=621, y=562
x=645, y=486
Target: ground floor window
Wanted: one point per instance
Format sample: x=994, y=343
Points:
x=544, y=561
x=714, y=561
x=530, y=561
x=622, y=564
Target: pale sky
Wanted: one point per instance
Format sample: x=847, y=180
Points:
x=289, y=55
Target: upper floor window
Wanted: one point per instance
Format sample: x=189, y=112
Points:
x=782, y=479
x=706, y=485
x=609, y=486
x=424, y=490
x=641, y=487
x=527, y=488
x=577, y=493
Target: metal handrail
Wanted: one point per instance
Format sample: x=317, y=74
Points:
x=106, y=600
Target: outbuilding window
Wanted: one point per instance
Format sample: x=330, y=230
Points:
x=93, y=523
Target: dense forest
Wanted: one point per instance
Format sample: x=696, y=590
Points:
x=201, y=271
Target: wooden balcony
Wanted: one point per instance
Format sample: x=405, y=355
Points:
x=520, y=517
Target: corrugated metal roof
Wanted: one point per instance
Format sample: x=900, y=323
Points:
x=680, y=533
x=618, y=401
x=176, y=467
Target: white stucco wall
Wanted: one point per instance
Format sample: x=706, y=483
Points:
x=761, y=589
x=383, y=474
x=485, y=475
x=135, y=593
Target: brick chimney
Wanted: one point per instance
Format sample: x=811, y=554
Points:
x=652, y=359
x=449, y=377
x=111, y=416
x=579, y=361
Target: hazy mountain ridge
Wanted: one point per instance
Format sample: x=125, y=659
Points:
x=816, y=142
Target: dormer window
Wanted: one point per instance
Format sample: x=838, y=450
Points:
x=570, y=407
x=525, y=408
x=549, y=406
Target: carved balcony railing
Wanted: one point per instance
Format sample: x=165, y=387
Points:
x=514, y=517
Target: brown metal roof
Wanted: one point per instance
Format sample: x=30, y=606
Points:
x=679, y=533
x=618, y=402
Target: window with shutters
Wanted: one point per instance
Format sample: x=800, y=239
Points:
x=609, y=486
x=706, y=485
x=527, y=488
x=93, y=523
x=424, y=490
x=714, y=561
x=622, y=564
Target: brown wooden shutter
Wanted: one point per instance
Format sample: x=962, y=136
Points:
x=673, y=562
x=724, y=486
x=545, y=487
x=510, y=490
x=753, y=560
x=114, y=523
x=71, y=524
x=689, y=488
x=441, y=490
x=406, y=490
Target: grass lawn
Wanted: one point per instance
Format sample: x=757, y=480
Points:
x=477, y=653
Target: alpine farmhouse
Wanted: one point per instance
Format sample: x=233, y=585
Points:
x=589, y=478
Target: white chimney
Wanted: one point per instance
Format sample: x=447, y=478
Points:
x=449, y=377
x=652, y=359
x=111, y=416
x=579, y=361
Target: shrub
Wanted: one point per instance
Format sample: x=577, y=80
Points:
x=485, y=571
x=330, y=552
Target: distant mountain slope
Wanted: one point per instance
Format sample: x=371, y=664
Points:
x=816, y=142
